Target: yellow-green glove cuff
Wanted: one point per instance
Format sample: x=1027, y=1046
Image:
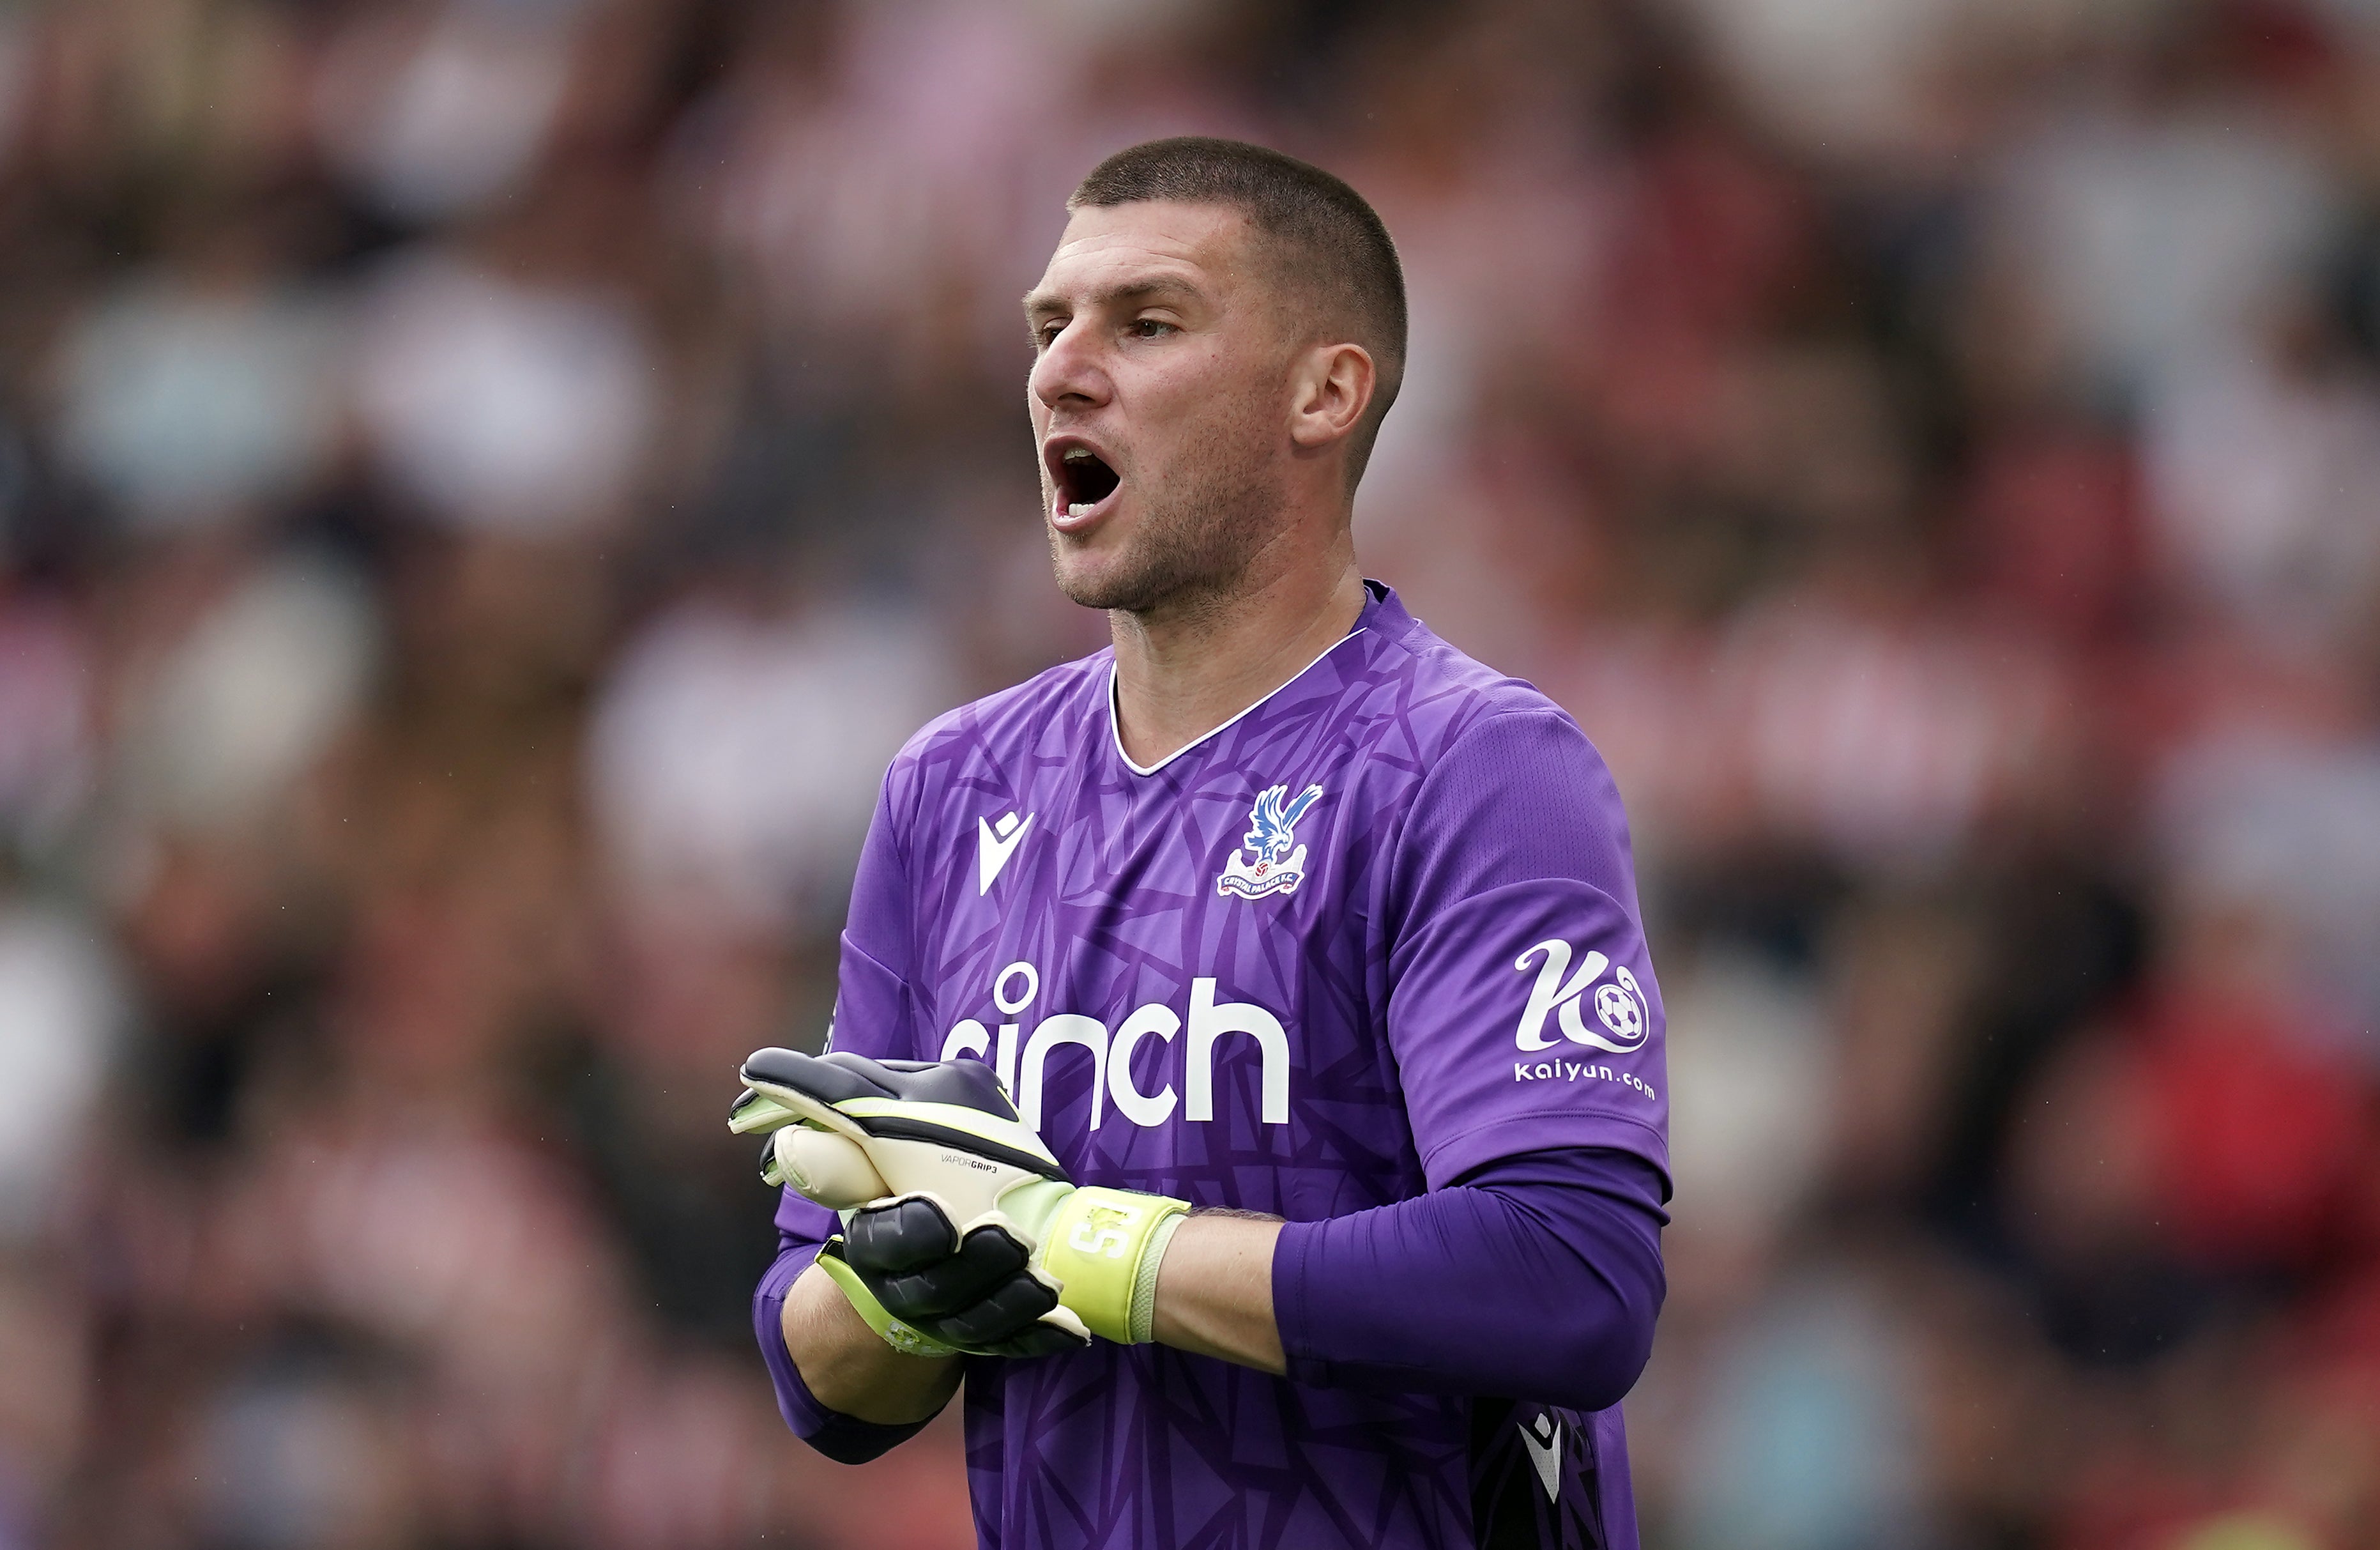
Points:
x=1104, y=1247
x=898, y=1335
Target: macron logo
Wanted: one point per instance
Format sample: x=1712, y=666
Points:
x=1542, y=1432
x=995, y=843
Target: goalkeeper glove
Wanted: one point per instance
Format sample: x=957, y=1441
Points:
x=961, y=1231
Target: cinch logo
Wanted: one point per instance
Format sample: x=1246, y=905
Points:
x=1020, y=1068
x=1619, y=1006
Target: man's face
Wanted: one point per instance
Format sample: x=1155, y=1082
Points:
x=1158, y=399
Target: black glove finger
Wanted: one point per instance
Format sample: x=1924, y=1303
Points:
x=987, y=1257
x=908, y=1234
x=962, y=1083
x=999, y=1317
x=841, y=1076
x=830, y=1079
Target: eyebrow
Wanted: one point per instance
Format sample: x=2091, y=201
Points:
x=1042, y=303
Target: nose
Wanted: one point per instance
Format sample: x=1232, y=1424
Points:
x=1069, y=372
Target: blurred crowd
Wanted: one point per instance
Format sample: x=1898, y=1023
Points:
x=485, y=485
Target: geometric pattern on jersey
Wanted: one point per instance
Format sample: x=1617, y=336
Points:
x=1350, y=1042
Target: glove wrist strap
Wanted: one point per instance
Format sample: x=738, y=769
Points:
x=1104, y=1247
x=1144, y=1280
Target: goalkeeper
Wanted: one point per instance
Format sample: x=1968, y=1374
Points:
x=1246, y=1077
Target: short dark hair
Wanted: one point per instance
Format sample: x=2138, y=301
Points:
x=1325, y=235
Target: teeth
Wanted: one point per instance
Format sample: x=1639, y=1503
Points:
x=1080, y=508
x=1078, y=454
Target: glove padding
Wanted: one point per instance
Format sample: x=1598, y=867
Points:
x=961, y=1232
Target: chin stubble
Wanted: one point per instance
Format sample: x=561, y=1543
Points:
x=1195, y=544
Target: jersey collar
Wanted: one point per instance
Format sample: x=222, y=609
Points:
x=1382, y=613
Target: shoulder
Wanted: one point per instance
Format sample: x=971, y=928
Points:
x=1449, y=703
x=993, y=738
x=1504, y=786
x=1052, y=699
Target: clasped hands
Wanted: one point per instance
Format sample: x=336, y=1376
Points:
x=962, y=1234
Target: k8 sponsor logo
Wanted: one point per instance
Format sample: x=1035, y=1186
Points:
x=1621, y=1007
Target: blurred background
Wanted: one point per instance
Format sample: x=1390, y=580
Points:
x=486, y=485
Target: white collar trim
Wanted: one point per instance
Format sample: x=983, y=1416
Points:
x=1115, y=723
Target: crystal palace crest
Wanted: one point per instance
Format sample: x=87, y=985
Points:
x=1274, y=863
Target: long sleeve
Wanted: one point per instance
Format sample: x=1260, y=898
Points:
x=1535, y=1277
x=872, y=1017
x=843, y=1438
x=1522, y=1011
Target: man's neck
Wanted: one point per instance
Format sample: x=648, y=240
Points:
x=1179, y=677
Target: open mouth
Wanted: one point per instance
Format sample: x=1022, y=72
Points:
x=1083, y=478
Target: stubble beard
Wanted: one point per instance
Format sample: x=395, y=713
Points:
x=1199, y=535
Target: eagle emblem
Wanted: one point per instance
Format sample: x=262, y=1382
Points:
x=1275, y=862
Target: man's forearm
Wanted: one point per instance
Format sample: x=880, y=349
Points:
x=1215, y=1296
x=847, y=1366
x=1538, y=1277
x=1214, y=1290
x=1555, y=1258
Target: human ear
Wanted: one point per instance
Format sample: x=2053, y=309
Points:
x=1330, y=388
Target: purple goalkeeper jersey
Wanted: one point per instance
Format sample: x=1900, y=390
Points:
x=1377, y=932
